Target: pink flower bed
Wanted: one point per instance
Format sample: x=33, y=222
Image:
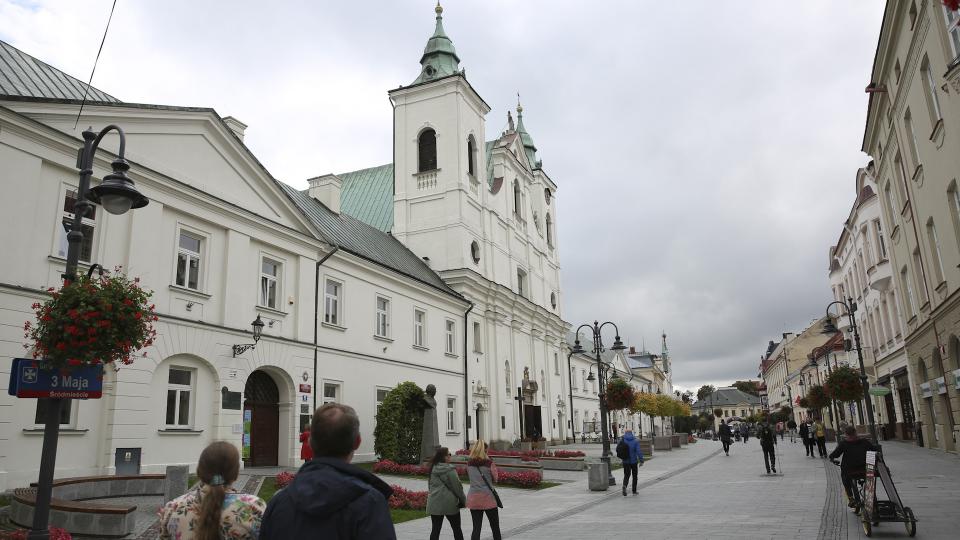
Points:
x=56, y=533
x=391, y=467
x=405, y=499
x=568, y=454
x=524, y=479
x=283, y=479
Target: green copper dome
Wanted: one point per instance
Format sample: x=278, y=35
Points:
x=526, y=139
x=439, y=56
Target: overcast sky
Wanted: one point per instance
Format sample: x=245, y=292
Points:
x=705, y=151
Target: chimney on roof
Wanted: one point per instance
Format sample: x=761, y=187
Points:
x=236, y=126
x=326, y=189
x=633, y=350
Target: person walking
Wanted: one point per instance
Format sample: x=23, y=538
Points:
x=628, y=450
x=330, y=498
x=807, y=436
x=820, y=432
x=213, y=509
x=854, y=463
x=768, y=440
x=780, y=429
x=445, y=497
x=792, y=427
x=725, y=436
x=482, y=497
x=745, y=431
x=306, y=453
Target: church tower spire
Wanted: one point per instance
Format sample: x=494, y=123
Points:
x=665, y=354
x=525, y=138
x=439, y=56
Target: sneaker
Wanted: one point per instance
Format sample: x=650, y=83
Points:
x=768, y=471
x=624, y=491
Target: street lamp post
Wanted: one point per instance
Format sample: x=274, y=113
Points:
x=851, y=307
x=789, y=396
x=601, y=372
x=117, y=194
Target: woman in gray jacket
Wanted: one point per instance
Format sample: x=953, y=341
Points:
x=446, y=496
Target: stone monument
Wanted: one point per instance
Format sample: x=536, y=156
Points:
x=431, y=436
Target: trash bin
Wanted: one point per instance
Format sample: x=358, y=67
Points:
x=598, y=476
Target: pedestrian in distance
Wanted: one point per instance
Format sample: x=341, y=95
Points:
x=768, y=440
x=483, y=499
x=306, y=453
x=628, y=450
x=792, y=428
x=854, y=450
x=745, y=431
x=213, y=509
x=780, y=429
x=330, y=498
x=446, y=497
x=725, y=436
x=820, y=432
x=807, y=436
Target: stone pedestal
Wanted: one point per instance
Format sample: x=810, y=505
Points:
x=663, y=442
x=683, y=438
x=598, y=476
x=175, y=484
x=646, y=446
x=675, y=441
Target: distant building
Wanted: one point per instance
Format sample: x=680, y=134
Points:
x=734, y=404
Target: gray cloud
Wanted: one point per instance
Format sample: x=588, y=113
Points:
x=705, y=154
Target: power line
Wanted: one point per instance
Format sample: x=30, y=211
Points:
x=97, y=59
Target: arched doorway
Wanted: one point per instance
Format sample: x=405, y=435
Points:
x=262, y=400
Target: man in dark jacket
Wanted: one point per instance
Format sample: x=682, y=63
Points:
x=330, y=498
x=768, y=439
x=806, y=435
x=630, y=464
x=854, y=464
x=724, y=431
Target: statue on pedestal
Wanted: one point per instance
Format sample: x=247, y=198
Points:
x=431, y=436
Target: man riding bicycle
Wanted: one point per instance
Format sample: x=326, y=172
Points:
x=853, y=466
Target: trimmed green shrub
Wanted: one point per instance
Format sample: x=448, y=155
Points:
x=399, y=428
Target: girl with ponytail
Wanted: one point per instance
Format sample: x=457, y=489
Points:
x=213, y=509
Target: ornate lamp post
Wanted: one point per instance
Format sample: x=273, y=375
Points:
x=601, y=371
x=117, y=194
x=829, y=327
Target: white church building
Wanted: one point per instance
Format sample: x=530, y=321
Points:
x=441, y=268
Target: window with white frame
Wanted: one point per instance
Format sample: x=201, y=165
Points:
x=451, y=414
x=556, y=364
x=911, y=138
x=381, y=395
x=952, y=17
x=179, y=397
x=930, y=85
x=918, y=273
x=450, y=328
x=881, y=242
x=333, y=302
x=383, y=317
x=521, y=282
x=573, y=378
x=477, y=338
x=506, y=375
x=270, y=272
x=66, y=410
x=892, y=209
x=934, y=243
x=583, y=379
x=954, y=196
x=419, y=328
x=189, y=260
x=331, y=392
x=901, y=169
x=87, y=226
x=910, y=303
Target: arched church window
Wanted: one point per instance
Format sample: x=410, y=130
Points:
x=549, y=222
x=475, y=252
x=547, y=195
x=427, y=150
x=517, y=199
x=471, y=156
x=506, y=370
x=553, y=300
x=543, y=385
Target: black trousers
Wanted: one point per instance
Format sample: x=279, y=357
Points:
x=849, y=484
x=769, y=459
x=808, y=444
x=630, y=469
x=726, y=445
x=822, y=446
x=436, y=522
x=492, y=516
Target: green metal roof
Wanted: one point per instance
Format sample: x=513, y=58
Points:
x=439, y=56
x=367, y=195
x=365, y=241
x=526, y=139
x=24, y=76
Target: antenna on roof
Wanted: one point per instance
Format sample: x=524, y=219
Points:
x=97, y=59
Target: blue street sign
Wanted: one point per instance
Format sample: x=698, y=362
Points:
x=30, y=379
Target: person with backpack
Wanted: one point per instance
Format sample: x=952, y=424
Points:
x=725, y=436
x=628, y=450
x=768, y=439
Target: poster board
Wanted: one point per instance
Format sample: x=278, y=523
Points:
x=870, y=487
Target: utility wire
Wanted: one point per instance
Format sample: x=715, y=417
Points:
x=97, y=59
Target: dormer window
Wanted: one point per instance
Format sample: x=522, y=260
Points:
x=471, y=156
x=427, y=151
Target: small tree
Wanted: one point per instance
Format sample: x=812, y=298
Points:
x=718, y=412
x=704, y=391
x=399, y=430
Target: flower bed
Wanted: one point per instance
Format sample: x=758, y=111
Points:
x=529, y=455
x=405, y=499
x=56, y=533
x=523, y=479
x=284, y=479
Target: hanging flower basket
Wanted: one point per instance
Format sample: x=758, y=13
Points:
x=817, y=397
x=804, y=402
x=844, y=384
x=619, y=394
x=92, y=321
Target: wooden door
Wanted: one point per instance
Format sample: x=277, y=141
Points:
x=261, y=398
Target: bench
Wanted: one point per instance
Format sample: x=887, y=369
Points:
x=71, y=509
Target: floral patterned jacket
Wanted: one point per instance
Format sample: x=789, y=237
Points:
x=239, y=519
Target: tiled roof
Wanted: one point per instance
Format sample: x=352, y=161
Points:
x=24, y=76
x=364, y=240
x=728, y=396
x=367, y=195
